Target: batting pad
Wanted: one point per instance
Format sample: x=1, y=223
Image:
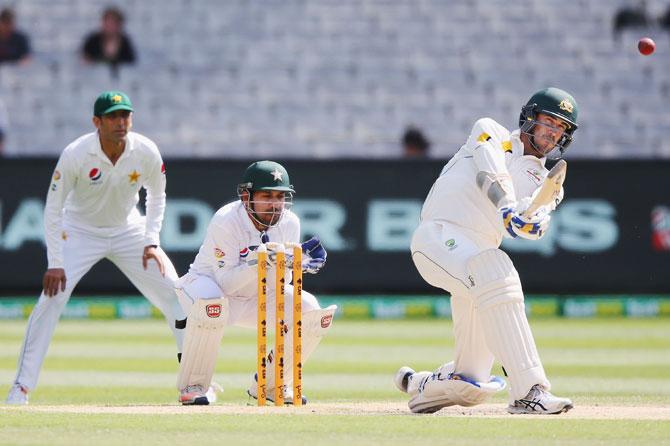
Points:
x=499, y=304
x=315, y=325
x=204, y=331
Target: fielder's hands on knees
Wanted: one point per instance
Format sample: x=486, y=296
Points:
x=530, y=228
x=151, y=252
x=53, y=281
x=314, y=256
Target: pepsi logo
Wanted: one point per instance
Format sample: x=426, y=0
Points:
x=95, y=174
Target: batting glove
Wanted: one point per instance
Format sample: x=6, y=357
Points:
x=529, y=228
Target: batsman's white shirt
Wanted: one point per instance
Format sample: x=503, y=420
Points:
x=458, y=222
x=455, y=196
x=91, y=214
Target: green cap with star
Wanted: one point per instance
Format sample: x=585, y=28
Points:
x=110, y=101
x=266, y=175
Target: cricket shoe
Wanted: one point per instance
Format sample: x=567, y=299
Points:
x=408, y=381
x=252, y=391
x=194, y=395
x=18, y=395
x=539, y=402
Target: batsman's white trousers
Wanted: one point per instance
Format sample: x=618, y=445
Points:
x=82, y=250
x=242, y=311
x=440, y=252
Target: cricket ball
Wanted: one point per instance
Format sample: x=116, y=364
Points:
x=646, y=46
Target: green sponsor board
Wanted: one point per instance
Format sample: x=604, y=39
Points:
x=374, y=307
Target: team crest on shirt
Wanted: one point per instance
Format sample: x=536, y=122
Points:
x=134, y=176
x=219, y=255
x=95, y=175
x=451, y=244
x=56, y=175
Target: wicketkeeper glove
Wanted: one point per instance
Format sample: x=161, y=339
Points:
x=531, y=228
x=314, y=256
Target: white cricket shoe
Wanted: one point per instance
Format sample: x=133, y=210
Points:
x=194, y=395
x=252, y=391
x=409, y=381
x=539, y=401
x=18, y=395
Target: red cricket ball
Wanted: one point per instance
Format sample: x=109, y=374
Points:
x=646, y=46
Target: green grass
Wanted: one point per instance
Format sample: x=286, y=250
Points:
x=606, y=362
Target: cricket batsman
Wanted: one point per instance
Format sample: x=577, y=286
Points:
x=221, y=288
x=479, y=198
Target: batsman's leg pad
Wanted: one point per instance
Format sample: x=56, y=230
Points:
x=444, y=388
x=500, y=306
x=204, y=331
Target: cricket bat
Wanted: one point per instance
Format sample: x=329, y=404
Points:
x=550, y=188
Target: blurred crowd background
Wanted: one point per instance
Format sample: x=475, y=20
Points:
x=331, y=79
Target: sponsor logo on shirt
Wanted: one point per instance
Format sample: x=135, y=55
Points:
x=95, y=175
x=163, y=169
x=535, y=174
x=244, y=253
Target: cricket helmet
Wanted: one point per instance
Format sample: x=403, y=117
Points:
x=554, y=102
x=265, y=176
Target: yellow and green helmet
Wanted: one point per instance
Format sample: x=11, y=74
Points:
x=554, y=102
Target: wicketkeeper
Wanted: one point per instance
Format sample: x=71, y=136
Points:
x=221, y=286
x=479, y=198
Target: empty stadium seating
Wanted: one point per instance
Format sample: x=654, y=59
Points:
x=338, y=78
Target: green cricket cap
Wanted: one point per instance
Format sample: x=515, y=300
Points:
x=110, y=101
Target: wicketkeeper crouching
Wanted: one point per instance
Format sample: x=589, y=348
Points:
x=220, y=288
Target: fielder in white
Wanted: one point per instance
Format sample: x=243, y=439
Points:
x=478, y=199
x=221, y=287
x=91, y=214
